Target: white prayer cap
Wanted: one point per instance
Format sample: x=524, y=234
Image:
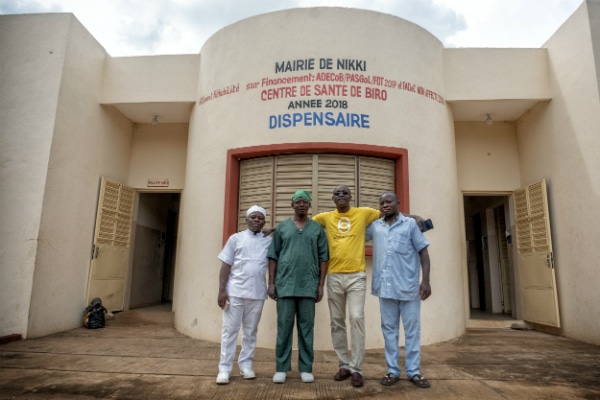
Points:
x=256, y=208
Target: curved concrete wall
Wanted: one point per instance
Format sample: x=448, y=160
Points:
x=379, y=74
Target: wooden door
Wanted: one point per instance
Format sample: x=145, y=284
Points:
x=539, y=298
x=110, y=250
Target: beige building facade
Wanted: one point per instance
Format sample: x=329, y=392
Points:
x=123, y=177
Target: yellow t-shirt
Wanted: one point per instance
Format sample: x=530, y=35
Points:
x=346, y=237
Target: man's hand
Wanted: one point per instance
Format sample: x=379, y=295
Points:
x=222, y=298
x=319, y=296
x=271, y=292
x=267, y=232
x=425, y=290
x=419, y=221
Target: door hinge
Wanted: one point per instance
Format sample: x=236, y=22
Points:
x=550, y=260
x=95, y=251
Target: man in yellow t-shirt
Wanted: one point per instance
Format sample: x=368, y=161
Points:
x=346, y=279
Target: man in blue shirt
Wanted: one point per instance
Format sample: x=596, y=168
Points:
x=399, y=249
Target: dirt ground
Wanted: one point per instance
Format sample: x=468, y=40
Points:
x=139, y=355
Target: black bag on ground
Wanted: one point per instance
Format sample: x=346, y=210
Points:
x=94, y=315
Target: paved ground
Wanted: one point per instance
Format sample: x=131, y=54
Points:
x=140, y=356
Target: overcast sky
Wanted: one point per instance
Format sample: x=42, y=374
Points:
x=149, y=27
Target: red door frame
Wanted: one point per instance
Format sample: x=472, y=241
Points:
x=234, y=156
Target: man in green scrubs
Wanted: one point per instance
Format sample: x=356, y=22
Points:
x=298, y=258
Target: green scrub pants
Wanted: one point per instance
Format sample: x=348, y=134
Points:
x=290, y=309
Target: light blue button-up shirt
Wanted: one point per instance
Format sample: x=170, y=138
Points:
x=396, y=260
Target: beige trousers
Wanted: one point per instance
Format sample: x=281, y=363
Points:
x=348, y=290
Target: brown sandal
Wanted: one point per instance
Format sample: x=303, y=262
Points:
x=420, y=381
x=389, y=379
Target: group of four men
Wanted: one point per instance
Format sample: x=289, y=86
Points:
x=301, y=253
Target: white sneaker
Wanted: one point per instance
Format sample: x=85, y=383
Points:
x=247, y=373
x=223, y=378
x=307, y=377
x=279, y=377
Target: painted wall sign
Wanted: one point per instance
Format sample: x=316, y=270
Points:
x=155, y=182
x=323, y=97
